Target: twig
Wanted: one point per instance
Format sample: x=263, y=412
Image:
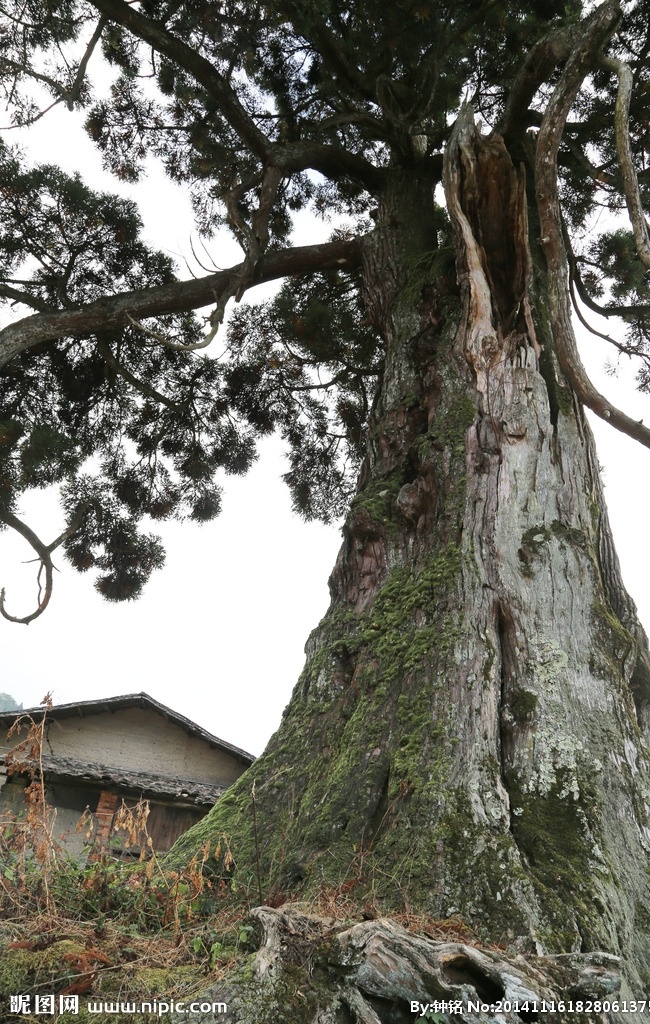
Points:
x=44, y=552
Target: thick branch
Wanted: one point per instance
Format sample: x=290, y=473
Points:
x=626, y=163
x=190, y=60
x=332, y=162
x=179, y=296
x=597, y=29
x=540, y=62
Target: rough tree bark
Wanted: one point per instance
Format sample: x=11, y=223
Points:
x=467, y=737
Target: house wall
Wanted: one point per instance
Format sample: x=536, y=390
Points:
x=12, y=795
x=141, y=740
x=129, y=740
x=138, y=739
x=166, y=822
x=69, y=802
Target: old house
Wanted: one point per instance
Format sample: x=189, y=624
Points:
x=98, y=753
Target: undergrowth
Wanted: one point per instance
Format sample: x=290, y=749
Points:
x=134, y=930
x=104, y=926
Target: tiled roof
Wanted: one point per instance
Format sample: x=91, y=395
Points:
x=132, y=700
x=184, y=790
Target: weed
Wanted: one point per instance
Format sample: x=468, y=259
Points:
x=133, y=927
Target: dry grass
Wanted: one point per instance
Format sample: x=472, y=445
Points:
x=140, y=929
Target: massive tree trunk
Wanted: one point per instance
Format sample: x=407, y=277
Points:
x=467, y=737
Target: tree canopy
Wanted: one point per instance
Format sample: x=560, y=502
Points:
x=109, y=386
x=7, y=703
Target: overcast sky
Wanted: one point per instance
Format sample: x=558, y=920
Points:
x=219, y=633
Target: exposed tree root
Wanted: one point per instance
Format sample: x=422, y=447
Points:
x=313, y=970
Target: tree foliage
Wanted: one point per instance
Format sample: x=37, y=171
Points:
x=7, y=703
x=109, y=387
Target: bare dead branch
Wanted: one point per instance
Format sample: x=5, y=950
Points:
x=597, y=30
x=178, y=346
x=626, y=163
x=44, y=552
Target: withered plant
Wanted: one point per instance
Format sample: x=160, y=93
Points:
x=27, y=840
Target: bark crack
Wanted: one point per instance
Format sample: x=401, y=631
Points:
x=505, y=633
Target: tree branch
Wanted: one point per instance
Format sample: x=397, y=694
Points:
x=540, y=62
x=626, y=163
x=623, y=349
x=635, y=309
x=596, y=30
x=44, y=552
x=24, y=298
x=179, y=296
x=327, y=46
x=144, y=389
x=255, y=236
x=331, y=162
x=190, y=60
x=75, y=89
x=216, y=320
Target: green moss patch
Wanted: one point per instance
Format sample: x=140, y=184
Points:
x=551, y=833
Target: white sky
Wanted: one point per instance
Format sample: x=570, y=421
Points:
x=219, y=633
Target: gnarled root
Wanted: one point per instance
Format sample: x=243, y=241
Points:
x=313, y=970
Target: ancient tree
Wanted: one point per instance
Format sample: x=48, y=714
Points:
x=469, y=736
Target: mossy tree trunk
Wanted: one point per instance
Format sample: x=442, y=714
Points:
x=467, y=735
